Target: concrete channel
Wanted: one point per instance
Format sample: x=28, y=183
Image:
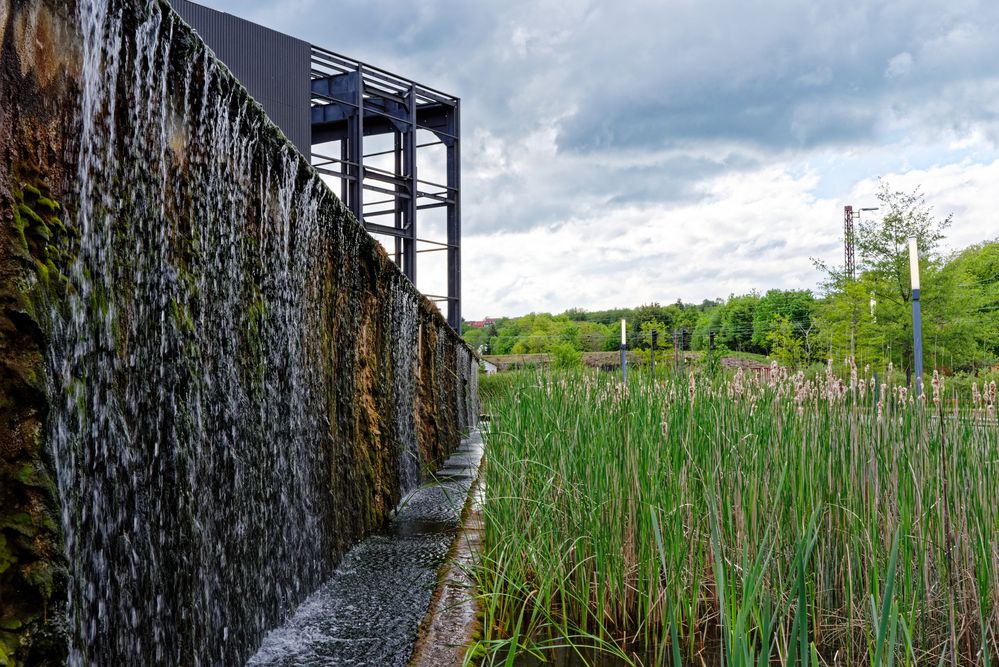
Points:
x=403, y=595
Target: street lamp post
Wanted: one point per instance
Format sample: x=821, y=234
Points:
x=624, y=354
x=917, y=324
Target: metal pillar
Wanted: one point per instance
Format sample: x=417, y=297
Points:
x=624, y=354
x=917, y=320
x=345, y=166
x=399, y=199
x=355, y=147
x=453, y=220
x=917, y=347
x=408, y=227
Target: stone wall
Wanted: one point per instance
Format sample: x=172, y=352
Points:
x=212, y=380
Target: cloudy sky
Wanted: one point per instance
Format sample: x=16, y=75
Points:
x=618, y=152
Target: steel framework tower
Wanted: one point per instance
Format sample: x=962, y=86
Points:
x=325, y=101
x=849, y=243
x=352, y=101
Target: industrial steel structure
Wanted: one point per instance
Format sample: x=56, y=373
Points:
x=850, y=260
x=330, y=106
x=849, y=244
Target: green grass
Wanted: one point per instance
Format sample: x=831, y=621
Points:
x=752, y=522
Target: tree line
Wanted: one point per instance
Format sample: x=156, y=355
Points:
x=866, y=315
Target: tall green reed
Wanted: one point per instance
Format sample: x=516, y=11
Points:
x=763, y=518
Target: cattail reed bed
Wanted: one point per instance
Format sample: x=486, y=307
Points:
x=760, y=520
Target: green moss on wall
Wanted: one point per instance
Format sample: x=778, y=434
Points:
x=36, y=248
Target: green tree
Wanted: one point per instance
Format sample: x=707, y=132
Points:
x=878, y=332
x=664, y=342
x=883, y=245
x=565, y=355
x=645, y=333
x=784, y=342
x=885, y=332
x=507, y=332
x=737, y=323
x=708, y=322
x=684, y=316
x=652, y=312
x=795, y=305
x=593, y=336
x=965, y=336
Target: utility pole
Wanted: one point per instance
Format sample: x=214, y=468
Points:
x=711, y=352
x=850, y=263
x=849, y=243
x=684, y=340
x=917, y=324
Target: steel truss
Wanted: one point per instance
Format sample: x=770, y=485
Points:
x=351, y=101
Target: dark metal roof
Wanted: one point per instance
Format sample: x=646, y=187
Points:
x=273, y=67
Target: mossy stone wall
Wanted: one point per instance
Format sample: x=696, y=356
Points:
x=42, y=73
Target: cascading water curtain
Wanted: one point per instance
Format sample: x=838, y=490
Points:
x=405, y=313
x=211, y=458
x=189, y=407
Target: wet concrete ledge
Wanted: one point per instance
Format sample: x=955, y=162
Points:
x=453, y=618
x=371, y=611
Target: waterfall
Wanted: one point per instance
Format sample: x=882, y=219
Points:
x=187, y=441
x=207, y=371
x=405, y=341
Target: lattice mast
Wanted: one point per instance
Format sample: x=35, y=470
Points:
x=849, y=244
x=850, y=268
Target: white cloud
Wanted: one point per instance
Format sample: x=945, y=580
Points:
x=966, y=190
x=900, y=65
x=757, y=230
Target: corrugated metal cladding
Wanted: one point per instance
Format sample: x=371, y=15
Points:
x=272, y=66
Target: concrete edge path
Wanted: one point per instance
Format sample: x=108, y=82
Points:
x=453, y=616
x=369, y=612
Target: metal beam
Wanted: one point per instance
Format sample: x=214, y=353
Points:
x=409, y=173
x=329, y=120
x=388, y=230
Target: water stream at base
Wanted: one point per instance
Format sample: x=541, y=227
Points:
x=369, y=611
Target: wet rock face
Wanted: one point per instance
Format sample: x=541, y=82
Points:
x=36, y=175
x=212, y=380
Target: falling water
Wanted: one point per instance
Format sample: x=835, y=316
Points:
x=405, y=338
x=202, y=417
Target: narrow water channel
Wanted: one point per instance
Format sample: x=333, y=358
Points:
x=368, y=613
